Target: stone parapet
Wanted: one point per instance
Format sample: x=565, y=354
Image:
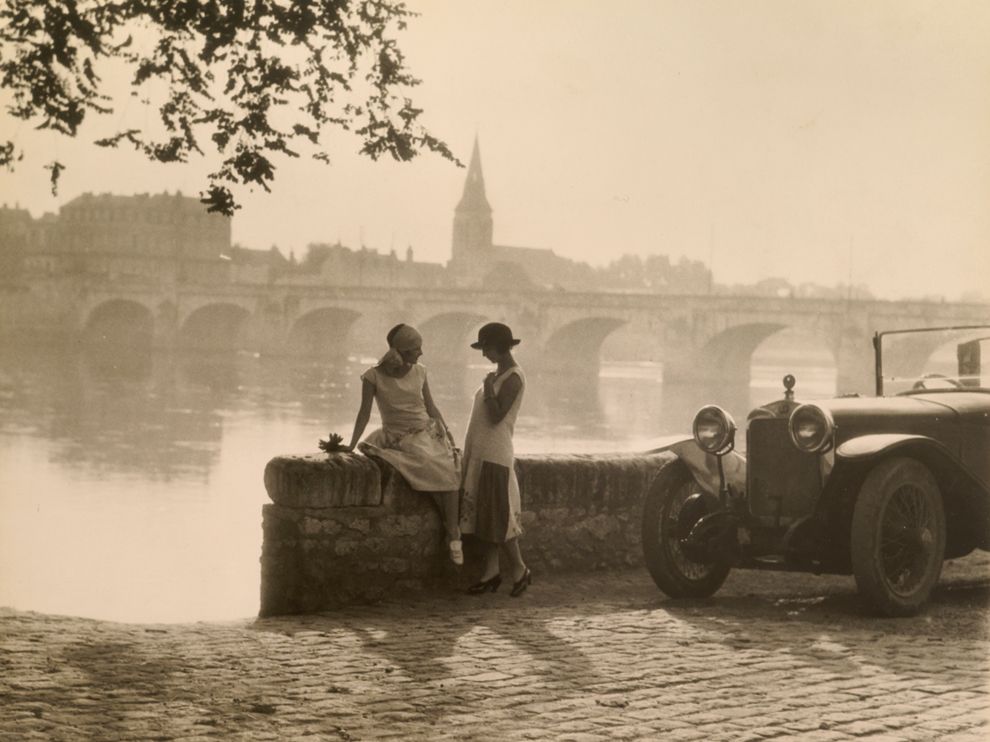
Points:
x=345, y=528
x=583, y=511
x=322, y=481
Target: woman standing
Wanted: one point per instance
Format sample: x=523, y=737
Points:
x=490, y=503
x=413, y=437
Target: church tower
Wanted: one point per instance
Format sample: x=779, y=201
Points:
x=473, y=215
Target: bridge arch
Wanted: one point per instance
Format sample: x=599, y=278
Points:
x=728, y=357
x=121, y=322
x=219, y=326
x=448, y=336
x=808, y=354
x=725, y=356
x=322, y=332
x=579, y=341
x=913, y=354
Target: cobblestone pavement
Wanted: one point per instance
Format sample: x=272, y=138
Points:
x=604, y=656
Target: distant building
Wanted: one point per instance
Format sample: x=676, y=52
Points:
x=336, y=265
x=475, y=260
x=156, y=237
x=256, y=266
x=159, y=226
x=166, y=238
x=17, y=232
x=143, y=236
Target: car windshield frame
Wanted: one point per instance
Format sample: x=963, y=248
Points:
x=878, y=338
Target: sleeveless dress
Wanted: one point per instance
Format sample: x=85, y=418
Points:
x=409, y=439
x=490, y=502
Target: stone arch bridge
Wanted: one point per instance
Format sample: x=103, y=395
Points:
x=702, y=337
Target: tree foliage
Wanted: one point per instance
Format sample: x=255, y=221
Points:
x=227, y=75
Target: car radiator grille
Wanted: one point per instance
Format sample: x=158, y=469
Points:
x=783, y=483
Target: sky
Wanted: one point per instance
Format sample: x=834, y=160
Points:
x=814, y=141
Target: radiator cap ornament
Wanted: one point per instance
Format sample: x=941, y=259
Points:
x=789, y=382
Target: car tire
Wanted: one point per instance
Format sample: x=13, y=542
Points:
x=672, y=571
x=897, y=539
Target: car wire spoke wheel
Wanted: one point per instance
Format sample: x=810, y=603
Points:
x=908, y=537
x=898, y=536
x=673, y=571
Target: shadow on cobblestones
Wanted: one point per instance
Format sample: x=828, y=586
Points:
x=818, y=621
x=455, y=641
x=582, y=657
x=833, y=601
x=114, y=664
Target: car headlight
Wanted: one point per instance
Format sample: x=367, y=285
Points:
x=714, y=430
x=812, y=428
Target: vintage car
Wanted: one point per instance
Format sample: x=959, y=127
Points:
x=882, y=487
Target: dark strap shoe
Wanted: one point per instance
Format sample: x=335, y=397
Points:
x=489, y=585
x=519, y=587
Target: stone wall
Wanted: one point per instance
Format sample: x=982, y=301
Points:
x=345, y=528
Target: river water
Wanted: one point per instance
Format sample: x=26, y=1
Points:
x=131, y=484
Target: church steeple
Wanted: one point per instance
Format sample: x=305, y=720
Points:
x=473, y=198
x=473, y=214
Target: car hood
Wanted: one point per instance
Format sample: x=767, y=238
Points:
x=926, y=405
x=933, y=414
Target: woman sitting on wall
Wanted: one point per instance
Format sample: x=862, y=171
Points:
x=414, y=437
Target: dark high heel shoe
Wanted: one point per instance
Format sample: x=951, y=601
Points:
x=518, y=588
x=491, y=584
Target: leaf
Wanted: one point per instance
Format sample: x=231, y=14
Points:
x=7, y=154
x=219, y=200
x=220, y=74
x=56, y=169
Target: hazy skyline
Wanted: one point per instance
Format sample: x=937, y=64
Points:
x=814, y=141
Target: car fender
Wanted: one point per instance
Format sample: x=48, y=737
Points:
x=866, y=446
x=704, y=466
x=863, y=450
x=855, y=458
